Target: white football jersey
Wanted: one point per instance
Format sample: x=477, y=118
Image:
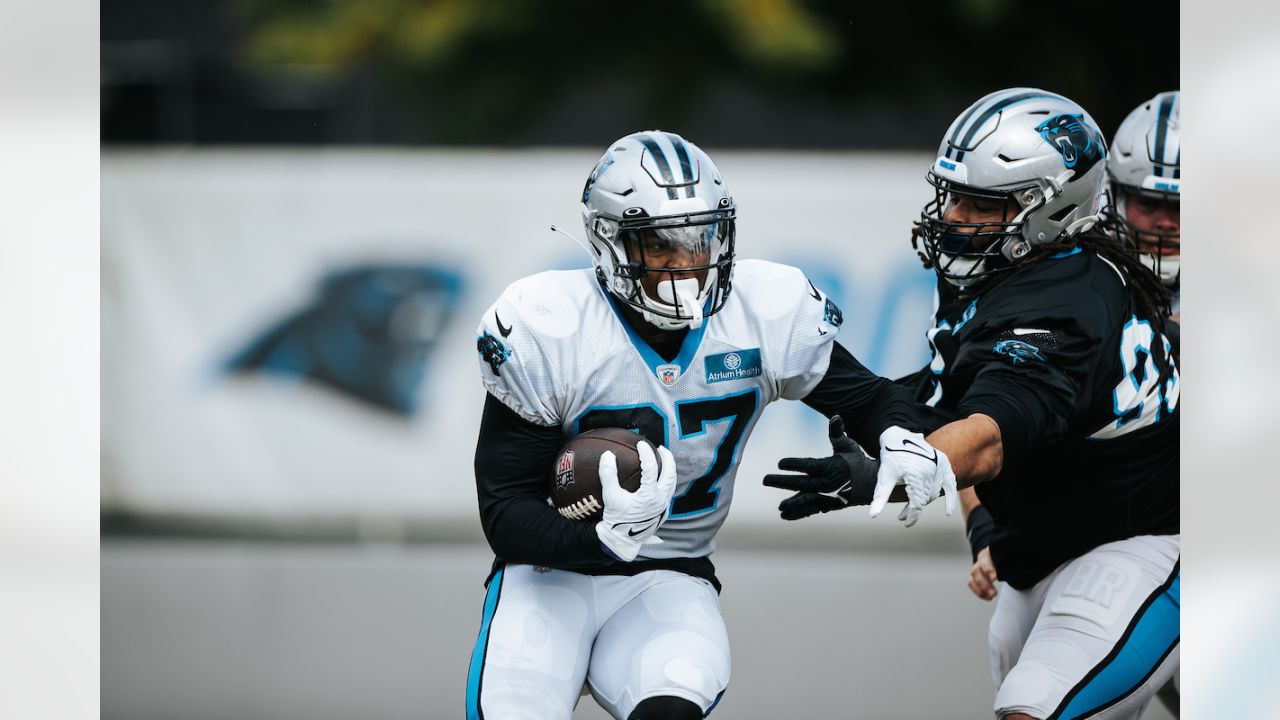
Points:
x=555, y=349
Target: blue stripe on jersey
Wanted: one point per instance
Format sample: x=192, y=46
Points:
x=1149, y=639
x=1065, y=253
x=719, y=697
x=968, y=314
x=687, y=350
x=482, y=647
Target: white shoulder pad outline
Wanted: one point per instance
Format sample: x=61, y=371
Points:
x=550, y=303
x=770, y=290
x=798, y=360
x=518, y=342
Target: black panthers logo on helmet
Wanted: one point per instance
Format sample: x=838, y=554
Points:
x=1081, y=145
x=368, y=333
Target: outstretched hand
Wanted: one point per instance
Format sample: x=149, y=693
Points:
x=923, y=471
x=847, y=477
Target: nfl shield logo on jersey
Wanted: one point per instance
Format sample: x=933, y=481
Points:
x=564, y=469
x=668, y=374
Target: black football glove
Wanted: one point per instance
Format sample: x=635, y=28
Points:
x=847, y=477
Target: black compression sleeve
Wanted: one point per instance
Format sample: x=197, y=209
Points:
x=867, y=402
x=979, y=528
x=513, y=457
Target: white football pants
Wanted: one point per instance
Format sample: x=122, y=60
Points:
x=1094, y=639
x=544, y=632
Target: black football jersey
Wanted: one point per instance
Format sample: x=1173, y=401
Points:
x=1060, y=357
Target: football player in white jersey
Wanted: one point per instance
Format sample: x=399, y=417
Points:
x=672, y=336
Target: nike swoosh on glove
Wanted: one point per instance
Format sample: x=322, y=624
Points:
x=631, y=519
x=847, y=477
x=906, y=459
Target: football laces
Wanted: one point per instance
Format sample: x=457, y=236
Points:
x=581, y=509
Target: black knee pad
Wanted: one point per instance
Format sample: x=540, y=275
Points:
x=666, y=708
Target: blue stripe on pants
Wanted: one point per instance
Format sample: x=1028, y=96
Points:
x=482, y=645
x=1150, y=638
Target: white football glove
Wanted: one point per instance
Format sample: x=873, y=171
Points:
x=631, y=519
x=906, y=459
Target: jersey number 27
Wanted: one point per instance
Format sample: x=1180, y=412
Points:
x=692, y=417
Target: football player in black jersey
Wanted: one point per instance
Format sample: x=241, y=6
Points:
x=1144, y=178
x=1053, y=389
x=1144, y=181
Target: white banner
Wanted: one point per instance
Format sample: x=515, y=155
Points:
x=289, y=334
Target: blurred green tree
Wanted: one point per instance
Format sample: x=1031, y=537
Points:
x=779, y=73
x=499, y=63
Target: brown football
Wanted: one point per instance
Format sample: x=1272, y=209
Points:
x=575, y=476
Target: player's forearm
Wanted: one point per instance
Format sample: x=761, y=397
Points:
x=528, y=531
x=512, y=455
x=968, y=501
x=973, y=446
x=868, y=403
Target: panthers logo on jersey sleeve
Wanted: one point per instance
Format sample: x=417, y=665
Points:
x=524, y=344
x=492, y=351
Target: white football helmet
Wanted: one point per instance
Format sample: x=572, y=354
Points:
x=1037, y=154
x=655, y=195
x=1145, y=163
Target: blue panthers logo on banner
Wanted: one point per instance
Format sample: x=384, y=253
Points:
x=368, y=333
x=1081, y=145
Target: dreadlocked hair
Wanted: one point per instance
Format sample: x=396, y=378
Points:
x=917, y=235
x=1152, y=298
